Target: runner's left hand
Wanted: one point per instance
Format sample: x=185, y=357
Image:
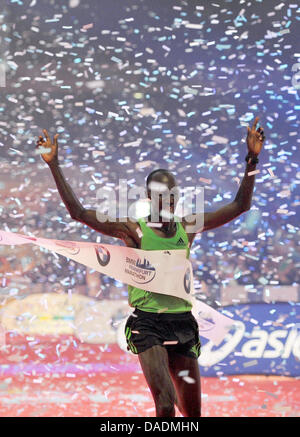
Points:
x=255, y=138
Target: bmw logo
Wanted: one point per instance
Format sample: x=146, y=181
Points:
x=187, y=281
x=103, y=255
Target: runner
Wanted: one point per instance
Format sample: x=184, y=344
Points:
x=162, y=329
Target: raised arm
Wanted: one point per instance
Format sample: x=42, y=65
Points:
x=243, y=198
x=117, y=229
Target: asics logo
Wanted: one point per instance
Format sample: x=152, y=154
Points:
x=261, y=344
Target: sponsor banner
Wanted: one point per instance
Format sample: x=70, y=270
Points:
x=158, y=271
x=265, y=339
x=43, y=313
x=91, y=321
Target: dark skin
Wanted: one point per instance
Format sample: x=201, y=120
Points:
x=160, y=365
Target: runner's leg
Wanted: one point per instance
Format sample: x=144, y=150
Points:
x=188, y=392
x=154, y=363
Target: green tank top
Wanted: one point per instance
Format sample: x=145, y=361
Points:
x=155, y=302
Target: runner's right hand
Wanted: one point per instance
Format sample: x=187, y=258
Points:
x=51, y=156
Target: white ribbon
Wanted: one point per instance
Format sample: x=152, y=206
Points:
x=158, y=271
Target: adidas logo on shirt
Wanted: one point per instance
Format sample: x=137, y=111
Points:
x=180, y=241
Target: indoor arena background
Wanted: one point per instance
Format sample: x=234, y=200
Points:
x=131, y=86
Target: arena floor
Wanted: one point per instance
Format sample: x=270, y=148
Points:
x=61, y=377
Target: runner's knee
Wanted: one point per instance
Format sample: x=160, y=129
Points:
x=165, y=403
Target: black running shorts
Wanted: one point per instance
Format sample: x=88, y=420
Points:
x=174, y=331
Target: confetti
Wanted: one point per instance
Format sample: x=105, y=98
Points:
x=251, y=173
x=250, y=363
x=129, y=93
x=41, y=150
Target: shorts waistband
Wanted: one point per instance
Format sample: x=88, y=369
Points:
x=162, y=315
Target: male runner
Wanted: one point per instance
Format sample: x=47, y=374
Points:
x=162, y=329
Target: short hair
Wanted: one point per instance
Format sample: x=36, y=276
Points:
x=159, y=170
